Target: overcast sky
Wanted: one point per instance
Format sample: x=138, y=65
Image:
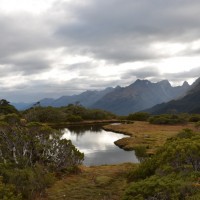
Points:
x=51, y=48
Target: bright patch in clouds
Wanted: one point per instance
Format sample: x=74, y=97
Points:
x=51, y=48
x=25, y=5
x=169, y=49
x=179, y=64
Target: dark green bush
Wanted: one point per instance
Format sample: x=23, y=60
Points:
x=172, y=174
x=74, y=118
x=139, y=116
x=8, y=191
x=31, y=155
x=70, y=113
x=194, y=118
x=169, y=187
x=6, y=108
x=141, y=152
x=167, y=119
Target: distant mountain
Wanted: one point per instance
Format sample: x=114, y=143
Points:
x=46, y=102
x=190, y=103
x=140, y=95
x=21, y=105
x=86, y=98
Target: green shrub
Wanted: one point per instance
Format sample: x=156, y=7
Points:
x=197, y=125
x=145, y=169
x=194, y=118
x=8, y=192
x=12, y=118
x=185, y=133
x=141, y=152
x=6, y=108
x=167, y=119
x=74, y=118
x=139, y=116
x=170, y=187
x=172, y=174
x=31, y=156
x=27, y=181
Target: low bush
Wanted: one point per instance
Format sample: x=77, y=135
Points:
x=139, y=116
x=172, y=173
x=167, y=119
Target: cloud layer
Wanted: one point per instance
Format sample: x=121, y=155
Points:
x=73, y=46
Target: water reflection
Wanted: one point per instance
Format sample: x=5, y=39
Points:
x=82, y=129
x=98, y=145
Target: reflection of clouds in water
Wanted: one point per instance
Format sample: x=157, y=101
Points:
x=110, y=157
x=99, y=147
x=89, y=141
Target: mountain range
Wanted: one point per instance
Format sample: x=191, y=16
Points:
x=190, y=103
x=140, y=95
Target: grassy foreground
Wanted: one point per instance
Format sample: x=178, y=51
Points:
x=93, y=183
x=145, y=134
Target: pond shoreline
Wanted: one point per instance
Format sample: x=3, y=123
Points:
x=98, y=145
x=144, y=134
x=119, y=142
x=89, y=122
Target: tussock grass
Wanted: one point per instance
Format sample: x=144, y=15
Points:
x=146, y=134
x=93, y=183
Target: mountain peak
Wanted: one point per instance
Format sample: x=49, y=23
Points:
x=117, y=87
x=185, y=84
x=188, y=103
x=165, y=83
x=195, y=86
x=141, y=82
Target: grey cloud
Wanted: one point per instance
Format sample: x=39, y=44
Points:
x=78, y=66
x=25, y=65
x=116, y=31
x=42, y=89
x=24, y=39
x=124, y=31
x=22, y=33
x=141, y=73
x=178, y=77
x=193, y=73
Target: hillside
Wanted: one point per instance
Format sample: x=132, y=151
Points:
x=86, y=98
x=140, y=95
x=190, y=103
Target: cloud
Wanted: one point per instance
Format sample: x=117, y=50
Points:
x=142, y=73
x=78, y=45
x=184, y=75
x=123, y=32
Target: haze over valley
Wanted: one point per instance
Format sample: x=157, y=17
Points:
x=65, y=47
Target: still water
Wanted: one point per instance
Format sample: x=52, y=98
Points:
x=98, y=145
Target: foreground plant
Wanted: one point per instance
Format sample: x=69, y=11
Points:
x=172, y=174
x=31, y=155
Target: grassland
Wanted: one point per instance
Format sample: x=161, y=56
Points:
x=145, y=134
x=92, y=183
x=109, y=181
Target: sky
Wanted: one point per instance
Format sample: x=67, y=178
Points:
x=51, y=48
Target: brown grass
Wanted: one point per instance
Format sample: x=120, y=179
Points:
x=145, y=134
x=93, y=183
